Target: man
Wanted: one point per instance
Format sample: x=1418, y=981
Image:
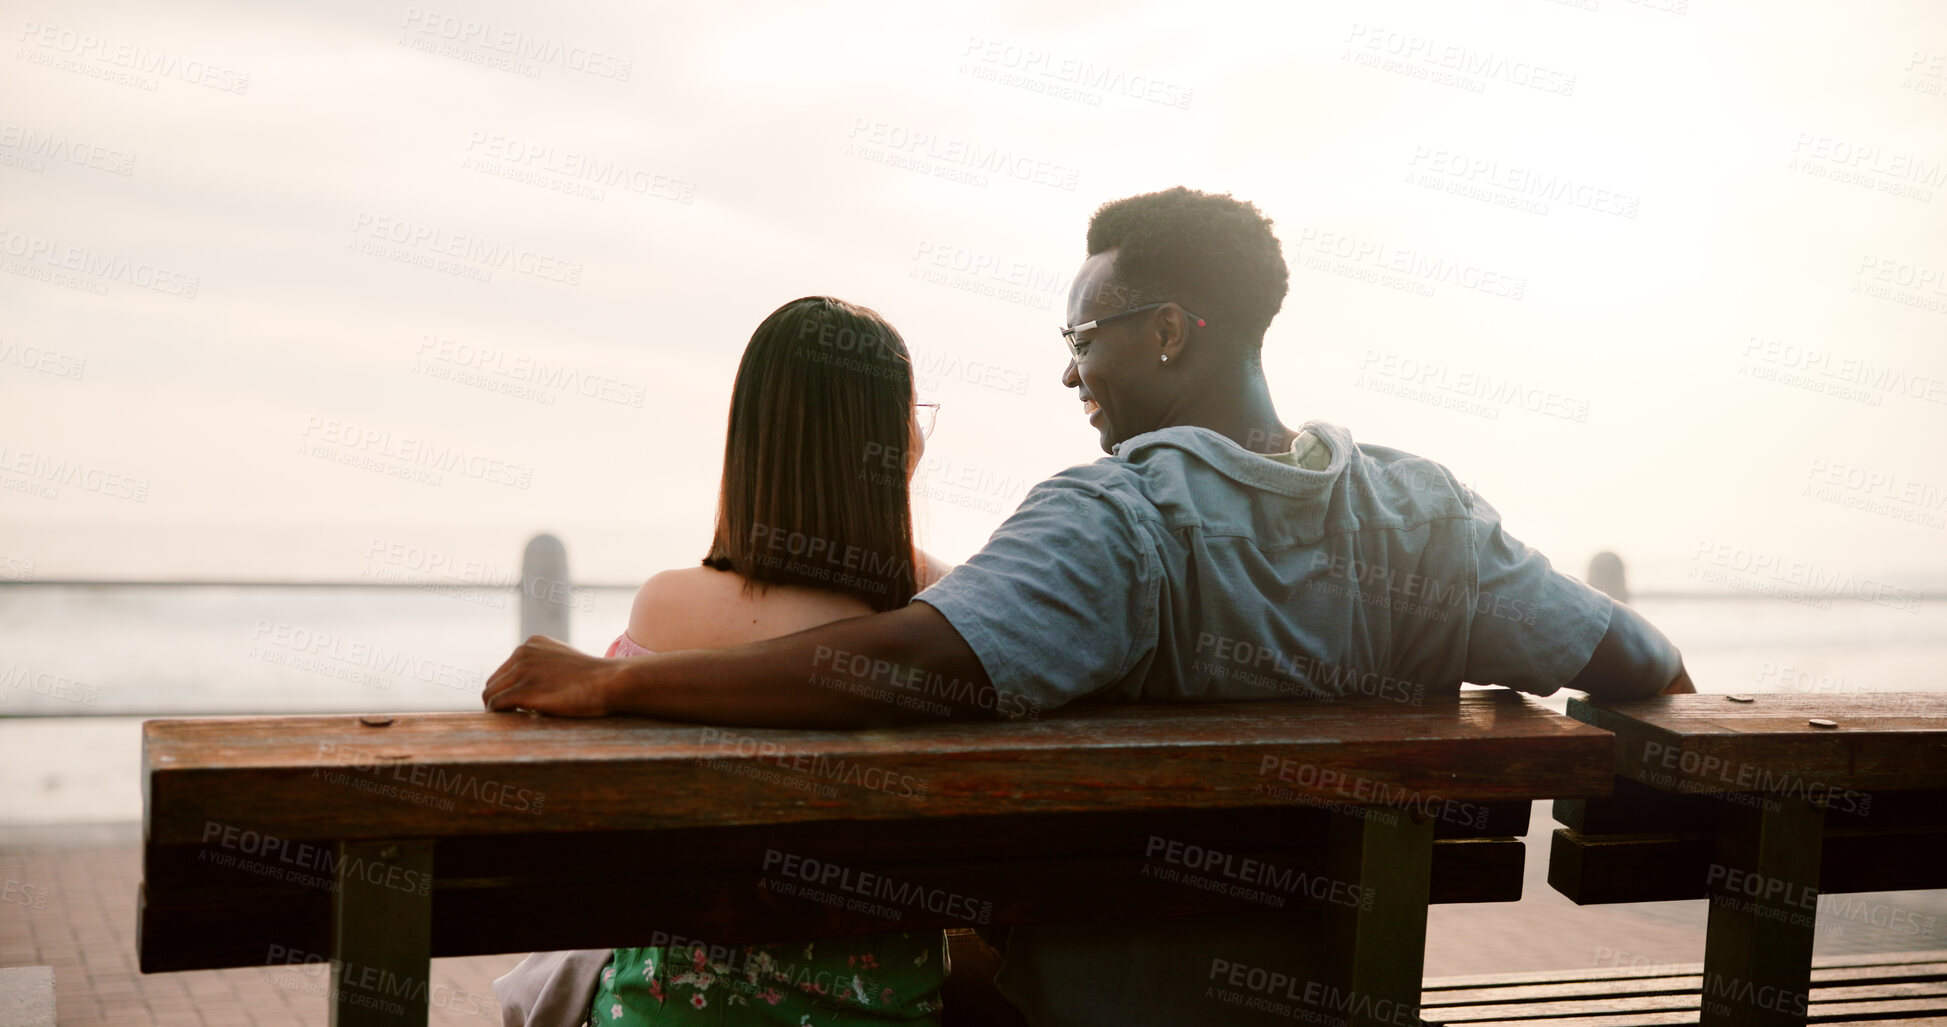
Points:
x=1212, y=535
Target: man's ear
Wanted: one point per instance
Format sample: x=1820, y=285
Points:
x=1172, y=334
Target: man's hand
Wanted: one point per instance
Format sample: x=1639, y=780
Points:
x=792, y=681
x=1632, y=661
x=1680, y=686
x=551, y=677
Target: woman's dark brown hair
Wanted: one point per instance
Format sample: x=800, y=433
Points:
x=814, y=464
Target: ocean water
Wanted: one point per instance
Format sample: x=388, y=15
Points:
x=80, y=650
x=76, y=650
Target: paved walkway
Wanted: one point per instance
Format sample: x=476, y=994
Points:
x=73, y=894
x=72, y=906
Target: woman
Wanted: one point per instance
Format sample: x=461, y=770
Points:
x=814, y=524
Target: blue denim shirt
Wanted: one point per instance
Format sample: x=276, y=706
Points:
x=1185, y=567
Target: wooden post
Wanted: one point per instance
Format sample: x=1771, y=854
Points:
x=1763, y=886
x=382, y=934
x=546, y=592
x=1379, y=945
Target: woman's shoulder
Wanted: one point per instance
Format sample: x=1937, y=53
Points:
x=701, y=607
x=673, y=605
x=682, y=584
x=931, y=569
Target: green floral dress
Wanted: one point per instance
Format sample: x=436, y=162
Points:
x=872, y=979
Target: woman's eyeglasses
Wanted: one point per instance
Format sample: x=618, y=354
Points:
x=1074, y=344
x=925, y=414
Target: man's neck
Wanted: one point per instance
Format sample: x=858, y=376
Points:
x=1241, y=410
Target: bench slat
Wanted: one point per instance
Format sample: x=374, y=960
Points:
x=1928, y=996
x=1618, y=1020
x=1884, y=741
x=444, y=775
x=1546, y=988
x=219, y=922
x=1551, y=1011
x=1891, y=963
x=1127, y=833
x=1893, y=1014
x=1657, y=868
x=1636, y=808
x=1845, y=988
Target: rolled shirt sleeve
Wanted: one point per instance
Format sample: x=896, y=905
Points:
x=1533, y=628
x=1062, y=601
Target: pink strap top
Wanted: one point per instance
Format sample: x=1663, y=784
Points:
x=625, y=646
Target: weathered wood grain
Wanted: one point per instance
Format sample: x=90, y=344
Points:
x=446, y=775
x=1707, y=744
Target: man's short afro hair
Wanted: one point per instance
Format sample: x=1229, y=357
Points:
x=1213, y=254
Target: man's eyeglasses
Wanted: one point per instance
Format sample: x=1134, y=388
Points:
x=926, y=414
x=1074, y=344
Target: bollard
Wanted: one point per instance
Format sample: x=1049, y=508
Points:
x=1606, y=575
x=546, y=592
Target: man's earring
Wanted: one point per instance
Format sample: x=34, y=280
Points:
x=1166, y=358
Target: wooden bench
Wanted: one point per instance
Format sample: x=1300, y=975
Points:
x=382, y=842
x=1760, y=804
x=1907, y=989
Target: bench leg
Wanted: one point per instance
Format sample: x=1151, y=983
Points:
x=1763, y=888
x=1379, y=943
x=382, y=934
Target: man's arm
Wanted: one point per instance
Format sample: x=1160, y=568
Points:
x=902, y=666
x=1633, y=660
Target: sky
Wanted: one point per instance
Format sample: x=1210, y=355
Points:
x=376, y=291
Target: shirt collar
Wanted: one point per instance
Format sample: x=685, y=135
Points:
x=1242, y=465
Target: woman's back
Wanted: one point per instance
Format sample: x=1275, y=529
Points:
x=704, y=608
x=804, y=536
x=877, y=979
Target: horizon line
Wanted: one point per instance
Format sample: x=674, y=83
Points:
x=607, y=586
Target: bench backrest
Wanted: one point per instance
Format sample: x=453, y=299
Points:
x=552, y=833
